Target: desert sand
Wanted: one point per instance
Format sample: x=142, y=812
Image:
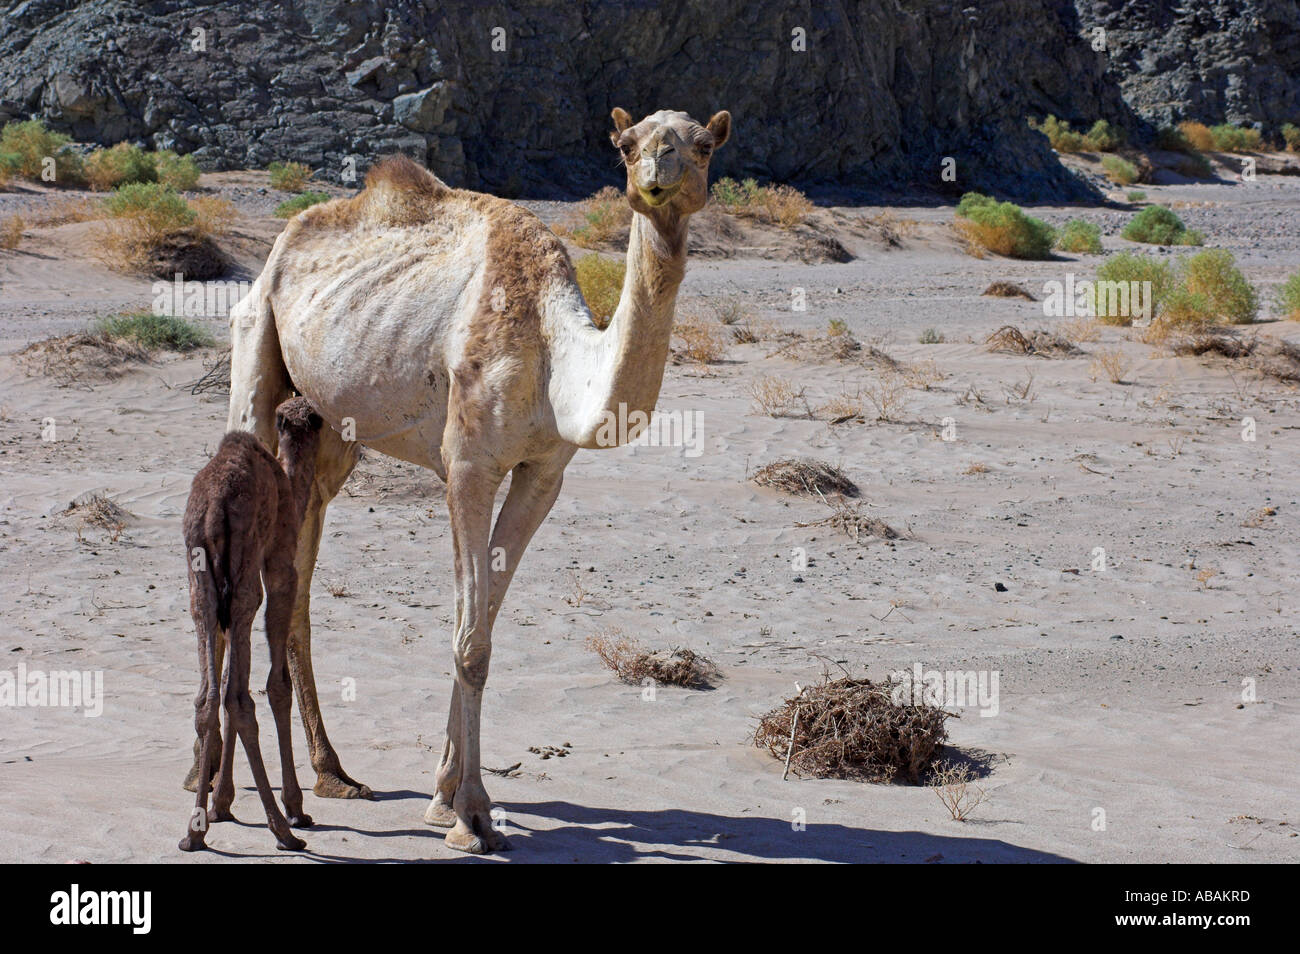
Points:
x=1121, y=690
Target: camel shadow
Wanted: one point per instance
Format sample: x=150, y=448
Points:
x=607, y=835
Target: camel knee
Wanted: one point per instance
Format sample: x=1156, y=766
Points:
x=240, y=710
x=473, y=654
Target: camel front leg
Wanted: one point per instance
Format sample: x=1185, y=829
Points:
x=470, y=492
x=534, y=487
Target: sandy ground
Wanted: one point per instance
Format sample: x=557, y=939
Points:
x=1121, y=733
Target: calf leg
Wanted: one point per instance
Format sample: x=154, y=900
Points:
x=280, y=586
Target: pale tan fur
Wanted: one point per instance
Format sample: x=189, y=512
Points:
x=446, y=328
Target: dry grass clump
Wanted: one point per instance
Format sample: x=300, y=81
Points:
x=1007, y=290
x=1109, y=364
x=1012, y=340
x=77, y=359
x=887, y=393
x=98, y=512
x=849, y=520
x=1278, y=360
x=853, y=729
x=634, y=664
x=151, y=228
x=601, y=282
x=842, y=407
x=1080, y=330
x=11, y=232
x=702, y=342
x=893, y=229
x=598, y=220
x=778, y=397
x=65, y=209
x=1198, y=135
x=954, y=784
x=782, y=206
x=804, y=477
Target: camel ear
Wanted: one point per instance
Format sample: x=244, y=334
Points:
x=720, y=126
x=622, y=122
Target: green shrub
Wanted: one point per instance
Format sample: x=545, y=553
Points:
x=1291, y=134
x=1137, y=196
x=1003, y=227
x=930, y=336
x=779, y=205
x=289, y=176
x=1288, y=297
x=155, y=204
x=1103, y=137
x=1194, y=166
x=1120, y=171
x=304, y=200
x=1157, y=225
x=1060, y=135
x=1173, y=139
x=1079, y=236
x=601, y=282
x=1229, y=297
x=1229, y=138
x=25, y=146
x=155, y=332
x=106, y=169
x=598, y=219
x=1128, y=267
x=179, y=172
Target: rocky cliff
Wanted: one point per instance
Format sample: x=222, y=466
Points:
x=516, y=98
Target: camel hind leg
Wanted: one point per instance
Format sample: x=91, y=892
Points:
x=207, y=706
x=281, y=583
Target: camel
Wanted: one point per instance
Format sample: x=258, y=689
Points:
x=241, y=528
x=446, y=328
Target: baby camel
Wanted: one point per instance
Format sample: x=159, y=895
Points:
x=242, y=522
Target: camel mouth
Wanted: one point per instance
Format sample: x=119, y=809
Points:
x=658, y=195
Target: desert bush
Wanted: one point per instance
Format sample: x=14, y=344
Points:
x=1291, y=136
x=855, y=729
x=1127, y=267
x=289, y=176
x=106, y=169
x=805, y=477
x=601, y=282
x=1229, y=297
x=598, y=219
x=1060, y=135
x=1229, y=138
x=24, y=147
x=158, y=208
x=1288, y=297
x=1197, y=134
x=778, y=397
x=154, y=332
x=780, y=205
x=1109, y=364
x=1194, y=166
x=11, y=232
x=1002, y=227
x=178, y=172
x=930, y=336
x=1136, y=196
x=1119, y=171
x=702, y=342
x=1157, y=225
x=213, y=216
x=954, y=784
x=1103, y=137
x=634, y=664
x=303, y=200
x=1173, y=139
x=1079, y=236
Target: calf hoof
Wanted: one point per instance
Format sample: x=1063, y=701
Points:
x=290, y=843
x=219, y=815
x=192, y=843
x=301, y=820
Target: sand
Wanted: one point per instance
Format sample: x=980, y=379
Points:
x=1121, y=733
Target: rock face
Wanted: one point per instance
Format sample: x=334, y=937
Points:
x=872, y=92
x=1214, y=61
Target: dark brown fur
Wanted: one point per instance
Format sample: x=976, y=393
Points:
x=241, y=530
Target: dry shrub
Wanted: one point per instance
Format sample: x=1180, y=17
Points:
x=601, y=282
x=893, y=229
x=1198, y=135
x=888, y=395
x=778, y=397
x=1012, y=340
x=923, y=375
x=1277, y=360
x=783, y=206
x=1109, y=364
x=289, y=176
x=76, y=360
x=849, y=520
x=975, y=467
x=1259, y=517
x=215, y=217
x=954, y=784
x=1080, y=330
x=853, y=729
x=805, y=477
x=98, y=512
x=66, y=209
x=701, y=342
x=215, y=376
x=1229, y=346
x=598, y=219
x=842, y=407
x=11, y=232
x=153, y=229
x=1007, y=290
x=634, y=664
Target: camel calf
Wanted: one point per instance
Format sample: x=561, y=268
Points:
x=241, y=529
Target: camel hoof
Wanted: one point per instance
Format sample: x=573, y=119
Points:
x=219, y=815
x=461, y=838
x=290, y=843
x=191, y=843
x=329, y=785
x=440, y=814
x=301, y=820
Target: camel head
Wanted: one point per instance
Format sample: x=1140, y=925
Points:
x=297, y=427
x=667, y=158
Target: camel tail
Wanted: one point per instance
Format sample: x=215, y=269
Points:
x=219, y=586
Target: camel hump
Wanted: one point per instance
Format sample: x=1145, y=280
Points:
x=405, y=175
